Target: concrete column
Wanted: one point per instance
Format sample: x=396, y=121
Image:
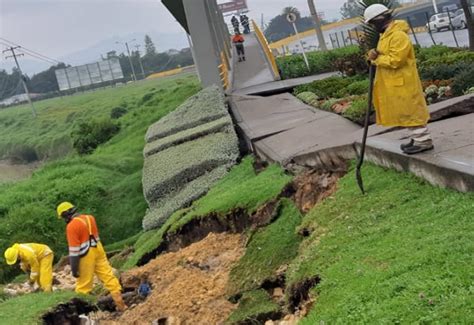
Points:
x=206, y=50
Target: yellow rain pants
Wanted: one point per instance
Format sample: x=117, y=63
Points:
x=46, y=273
x=95, y=262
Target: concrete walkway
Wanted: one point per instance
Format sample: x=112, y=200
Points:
x=282, y=129
x=255, y=70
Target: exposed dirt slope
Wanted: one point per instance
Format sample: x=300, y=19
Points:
x=188, y=286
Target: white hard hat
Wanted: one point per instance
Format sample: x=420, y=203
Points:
x=373, y=11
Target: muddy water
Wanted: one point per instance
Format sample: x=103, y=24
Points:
x=10, y=172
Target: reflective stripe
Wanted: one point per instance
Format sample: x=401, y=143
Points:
x=33, y=274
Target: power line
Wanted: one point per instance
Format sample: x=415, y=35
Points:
x=32, y=55
x=14, y=56
x=29, y=50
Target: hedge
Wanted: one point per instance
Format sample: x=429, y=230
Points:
x=191, y=191
x=206, y=106
x=222, y=124
x=168, y=171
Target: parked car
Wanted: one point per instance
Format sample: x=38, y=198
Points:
x=459, y=20
x=438, y=22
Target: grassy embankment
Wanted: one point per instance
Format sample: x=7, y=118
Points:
x=106, y=183
x=401, y=254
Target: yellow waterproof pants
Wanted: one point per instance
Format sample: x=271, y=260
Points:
x=46, y=273
x=95, y=262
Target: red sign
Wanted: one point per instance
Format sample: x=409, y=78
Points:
x=233, y=6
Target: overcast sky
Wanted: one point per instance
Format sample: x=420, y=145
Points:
x=59, y=27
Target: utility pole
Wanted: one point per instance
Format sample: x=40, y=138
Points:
x=317, y=25
x=435, y=6
x=130, y=59
x=140, y=60
x=14, y=55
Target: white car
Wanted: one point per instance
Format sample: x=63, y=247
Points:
x=438, y=22
x=459, y=20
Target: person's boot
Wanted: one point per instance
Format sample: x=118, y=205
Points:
x=418, y=147
x=240, y=60
x=403, y=146
x=119, y=303
x=244, y=58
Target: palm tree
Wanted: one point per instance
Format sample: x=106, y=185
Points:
x=293, y=10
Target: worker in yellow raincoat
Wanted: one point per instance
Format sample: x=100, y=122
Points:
x=398, y=93
x=37, y=259
x=87, y=255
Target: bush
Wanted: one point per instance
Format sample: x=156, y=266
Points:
x=118, y=112
x=166, y=206
x=463, y=81
x=451, y=58
x=326, y=88
x=427, y=53
x=219, y=125
x=206, y=106
x=171, y=169
x=357, y=111
x=442, y=71
x=89, y=135
x=319, y=62
x=358, y=87
x=309, y=98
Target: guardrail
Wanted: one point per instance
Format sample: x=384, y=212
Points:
x=224, y=72
x=266, y=49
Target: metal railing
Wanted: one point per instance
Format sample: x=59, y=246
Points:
x=266, y=49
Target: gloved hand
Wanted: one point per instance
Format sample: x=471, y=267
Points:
x=74, y=261
x=373, y=54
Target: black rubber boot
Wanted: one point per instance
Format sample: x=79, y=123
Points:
x=403, y=146
x=417, y=148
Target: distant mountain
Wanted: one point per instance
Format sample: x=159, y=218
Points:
x=163, y=42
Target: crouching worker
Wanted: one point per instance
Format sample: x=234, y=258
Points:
x=37, y=259
x=87, y=255
x=398, y=94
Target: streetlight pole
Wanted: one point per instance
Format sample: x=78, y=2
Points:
x=435, y=6
x=140, y=60
x=317, y=25
x=130, y=59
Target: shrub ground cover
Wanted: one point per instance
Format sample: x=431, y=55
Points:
x=106, y=183
x=222, y=124
x=168, y=171
x=240, y=188
x=401, y=254
x=206, y=106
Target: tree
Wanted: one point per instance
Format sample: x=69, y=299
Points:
x=150, y=49
x=293, y=10
x=469, y=22
x=350, y=9
x=279, y=28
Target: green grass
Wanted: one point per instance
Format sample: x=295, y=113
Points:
x=107, y=183
x=252, y=305
x=400, y=254
x=268, y=249
x=241, y=188
x=28, y=309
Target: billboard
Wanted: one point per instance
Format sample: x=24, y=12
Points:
x=89, y=74
x=233, y=6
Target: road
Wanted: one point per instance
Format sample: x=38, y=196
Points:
x=444, y=38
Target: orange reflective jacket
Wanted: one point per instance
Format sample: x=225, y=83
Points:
x=238, y=39
x=82, y=234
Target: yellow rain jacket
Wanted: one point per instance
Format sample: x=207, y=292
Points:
x=398, y=94
x=38, y=260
